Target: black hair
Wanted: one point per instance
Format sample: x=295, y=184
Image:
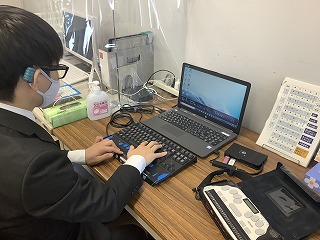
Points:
x=26, y=40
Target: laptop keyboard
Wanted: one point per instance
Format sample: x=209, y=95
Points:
x=196, y=129
x=160, y=169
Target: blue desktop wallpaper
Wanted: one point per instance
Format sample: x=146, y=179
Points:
x=219, y=94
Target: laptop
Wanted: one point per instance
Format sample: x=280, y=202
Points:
x=208, y=101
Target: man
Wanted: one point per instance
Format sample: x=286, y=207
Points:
x=41, y=196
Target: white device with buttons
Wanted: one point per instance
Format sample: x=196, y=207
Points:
x=235, y=212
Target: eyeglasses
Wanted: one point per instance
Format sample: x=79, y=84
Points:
x=61, y=68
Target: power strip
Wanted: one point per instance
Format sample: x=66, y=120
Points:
x=164, y=87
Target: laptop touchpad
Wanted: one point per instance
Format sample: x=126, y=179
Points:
x=173, y=130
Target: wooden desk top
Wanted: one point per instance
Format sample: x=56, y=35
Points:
x=170, y=209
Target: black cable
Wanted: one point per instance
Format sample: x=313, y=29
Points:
x=161, y=70
x=257, y=172
x=217, y=153
x=225, y=165
x=125, y=113
x=148, y=109
x=119, y=115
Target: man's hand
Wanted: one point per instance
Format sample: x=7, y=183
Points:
x=147, y=150
x=101, y=150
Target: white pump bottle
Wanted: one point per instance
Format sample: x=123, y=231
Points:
x=97, y=102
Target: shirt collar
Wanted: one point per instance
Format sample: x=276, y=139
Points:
x=19, y=111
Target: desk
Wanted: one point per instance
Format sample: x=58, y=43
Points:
x=170, y=209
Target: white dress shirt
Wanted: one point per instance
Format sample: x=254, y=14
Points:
x=78, y=156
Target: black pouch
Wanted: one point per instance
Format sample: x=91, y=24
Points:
x=246, y=156
x=290, y=207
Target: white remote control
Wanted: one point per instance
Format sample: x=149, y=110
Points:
x=235, y=211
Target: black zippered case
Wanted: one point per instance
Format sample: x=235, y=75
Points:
x=290, y=207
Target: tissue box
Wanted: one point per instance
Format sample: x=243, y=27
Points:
x=312, y=178
x=66, y=113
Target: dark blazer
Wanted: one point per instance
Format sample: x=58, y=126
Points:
x=42, y=197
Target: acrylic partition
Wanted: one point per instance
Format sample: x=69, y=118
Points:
x=136, y=47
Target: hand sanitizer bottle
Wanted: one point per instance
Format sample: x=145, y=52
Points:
x=97, y=102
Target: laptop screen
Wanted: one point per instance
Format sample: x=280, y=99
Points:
x=78, y=32
x=214, y=96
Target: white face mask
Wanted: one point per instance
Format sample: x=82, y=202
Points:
x=51, y=93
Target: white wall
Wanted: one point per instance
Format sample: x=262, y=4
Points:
x=260, y=41
x=15, y=3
